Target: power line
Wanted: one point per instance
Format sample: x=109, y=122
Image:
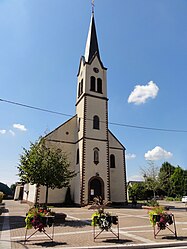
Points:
x=111, y=123
x=35, y=108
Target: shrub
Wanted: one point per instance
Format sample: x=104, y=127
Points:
x=152, y=203
x=1, y=196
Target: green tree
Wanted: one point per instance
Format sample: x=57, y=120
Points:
x=165, y=174
x=45, y=166
x=150, y=175
x=13, y=187
x=178, y=182
x=137, y=190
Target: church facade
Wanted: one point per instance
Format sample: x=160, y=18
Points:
x=94, y=152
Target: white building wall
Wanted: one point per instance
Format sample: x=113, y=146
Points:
x=117, y=174
x=101, y=74
x=32, y=193
x=54, y=196
x=92, y=169
x=25, y=191
x=117, y=181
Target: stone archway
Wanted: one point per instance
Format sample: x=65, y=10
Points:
x=95, y=188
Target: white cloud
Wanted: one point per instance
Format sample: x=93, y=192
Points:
x=2, y=131
x=130, y=156
x=19, y=127
x=141, y=94
x=157, y=153
x=136, y=178
x=12, y=132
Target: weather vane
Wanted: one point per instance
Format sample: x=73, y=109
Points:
x=93, y=6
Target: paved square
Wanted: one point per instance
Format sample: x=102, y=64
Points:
x=135, y=229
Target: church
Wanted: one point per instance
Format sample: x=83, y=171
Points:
x=95, y=154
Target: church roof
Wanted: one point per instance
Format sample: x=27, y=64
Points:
x=92, y=47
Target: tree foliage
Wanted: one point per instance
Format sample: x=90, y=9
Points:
x=168, y=181
x=166, y=171
x=45, y=166
x=150, y=175
x=177, y=182
x=138, y=190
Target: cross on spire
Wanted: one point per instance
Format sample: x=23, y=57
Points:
x=93, y=5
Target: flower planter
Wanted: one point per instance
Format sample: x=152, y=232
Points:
x=39, y=218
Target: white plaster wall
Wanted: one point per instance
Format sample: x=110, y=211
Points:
x=80, y=115
x=54, y=196
x=65, y=133
x=76, y=181
x=117, y=179
x=91, y=169
x=113, y=141
x=25, y=190
x=96, y=107
x=17, y=191
x=101, y=74
x=32, y=193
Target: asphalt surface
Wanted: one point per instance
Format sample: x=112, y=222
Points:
x=135, y=230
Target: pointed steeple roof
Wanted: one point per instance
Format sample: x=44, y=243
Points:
x=92, y=47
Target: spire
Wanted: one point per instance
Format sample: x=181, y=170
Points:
x=91, y=45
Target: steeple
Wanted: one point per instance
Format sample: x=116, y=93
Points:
x=92, y=47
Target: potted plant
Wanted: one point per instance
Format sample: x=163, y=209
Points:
x=158, y=216
x=100, y=218
x=39, y=217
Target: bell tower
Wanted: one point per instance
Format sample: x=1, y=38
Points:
x=92, y=122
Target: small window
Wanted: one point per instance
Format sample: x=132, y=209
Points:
x=96, y=122
x=77, y=161
x=79, y=90
x=81, y=87
x=92, y=83
x=112, y=161
x=78, y=124
x=99, y=85
x=96, y=156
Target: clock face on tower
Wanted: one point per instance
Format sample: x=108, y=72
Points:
x=96, y=70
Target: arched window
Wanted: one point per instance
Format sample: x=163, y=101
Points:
x=99, y=85
x=96, y=155
x=112, y=161
x=96, y=122
x=77, y=161
x=81, y=87
x=78, y=124
x=92, y=83
x=79, y=90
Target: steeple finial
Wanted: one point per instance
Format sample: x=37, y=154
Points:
x=93, y=5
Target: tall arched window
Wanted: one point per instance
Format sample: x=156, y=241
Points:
x=78, y=124
x=112, y=161
x=81, y=87
x=77, y=160
x=92, y=83
x=79, y=90
x=96, y=122
x=99, y=85
x=96, y=155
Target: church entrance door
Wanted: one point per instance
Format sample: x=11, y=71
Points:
x=96, y=188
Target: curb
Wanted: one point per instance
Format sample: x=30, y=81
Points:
x=134, y=246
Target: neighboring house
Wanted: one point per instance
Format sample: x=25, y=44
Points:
x=93, y=151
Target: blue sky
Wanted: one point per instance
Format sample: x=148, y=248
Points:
x=143, y=43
